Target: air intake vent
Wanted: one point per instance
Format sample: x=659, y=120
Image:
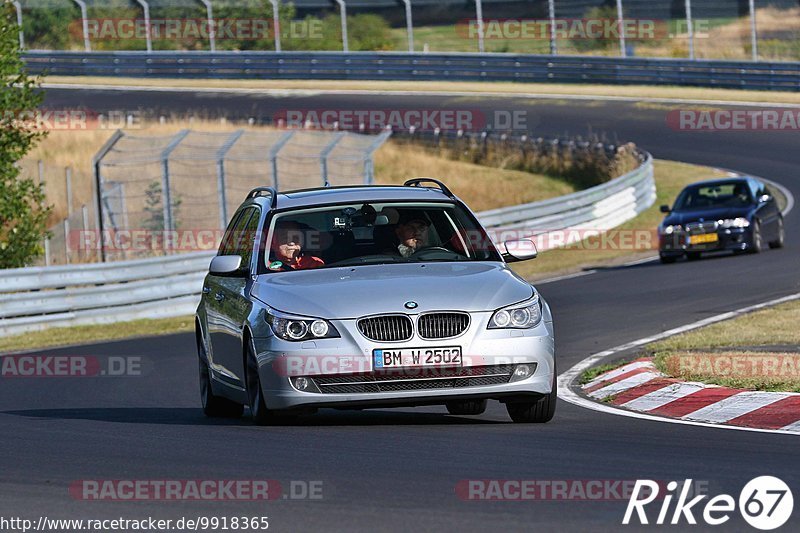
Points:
x=442, y=325
x=386, y=328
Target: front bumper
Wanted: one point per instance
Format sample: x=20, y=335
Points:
x=349, y=359
x=732, y=239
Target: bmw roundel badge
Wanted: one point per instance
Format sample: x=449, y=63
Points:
x=411, y=305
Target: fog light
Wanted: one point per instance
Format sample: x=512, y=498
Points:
x=523, y=372
x=301, y=384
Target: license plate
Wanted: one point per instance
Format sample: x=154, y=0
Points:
x=703, y=239
x=417, y=357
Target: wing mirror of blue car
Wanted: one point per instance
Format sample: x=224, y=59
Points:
x=519, y=250
x=664, y=209
x=226, y=265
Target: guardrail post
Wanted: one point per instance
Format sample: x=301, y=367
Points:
x=212, y=32
x=343, y=14
x=753, y=32
x=551, y=13
x=18, y=8
x=409, y=26
x=84, y=24
x=479, y=17
x=147, y=37
x=323, y=156
x=621, y=28
x=276, y=25
x=223, y=201
x=273, y=156
x=690, y=28
x=98, y=188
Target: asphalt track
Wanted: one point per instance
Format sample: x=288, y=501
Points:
x=396, y=470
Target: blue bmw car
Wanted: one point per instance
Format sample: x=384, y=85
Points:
x=729, y=214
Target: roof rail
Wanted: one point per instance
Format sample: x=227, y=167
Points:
x=415, y=182
x=255, y=193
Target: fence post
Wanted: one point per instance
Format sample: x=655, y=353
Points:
x=273, y=155
x=690, y=28
x=479, y=17
x=369, y=167
x=166, y=192
x=621, y=28
x=85, y=25
x=276, y=25
x=18, y=7
x=753, y=32
x=212, y=32
x=47, y=251
x=551, y=13
x=223, y=201
x=323, y=156
x=40, y=170
x=343, y=14
x=147, y=37
x=98, y=186
x=409, y=26
x=68, y=180
x=85, y=220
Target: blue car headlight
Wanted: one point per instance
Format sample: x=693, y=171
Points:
x=518, y=316
x=297, y=328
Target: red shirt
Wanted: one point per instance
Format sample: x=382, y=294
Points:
x=302, y=263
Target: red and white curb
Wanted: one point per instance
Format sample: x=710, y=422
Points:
x=639, y=386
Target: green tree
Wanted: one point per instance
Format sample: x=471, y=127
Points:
x=23, y=213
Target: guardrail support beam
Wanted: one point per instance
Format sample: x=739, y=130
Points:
x=148, y=33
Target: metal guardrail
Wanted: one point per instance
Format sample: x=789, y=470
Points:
x=425, y=66
x=40, y=297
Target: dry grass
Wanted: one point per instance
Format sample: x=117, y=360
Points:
x=635, y=92
x=481, y=187
x=696, y=355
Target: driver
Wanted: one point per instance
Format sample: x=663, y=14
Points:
x=411, y=234
x=287, y=252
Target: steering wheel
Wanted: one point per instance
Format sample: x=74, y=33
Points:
x=434, y=249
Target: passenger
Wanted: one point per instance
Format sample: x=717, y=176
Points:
x=287, y=252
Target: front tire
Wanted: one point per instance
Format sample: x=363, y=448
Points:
x=778, y=242
x=538, y=412
x=756, y=244
x=667, y=259
x=215, y=406
x=255, y=394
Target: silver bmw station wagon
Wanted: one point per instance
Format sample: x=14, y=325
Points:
x=370, y=296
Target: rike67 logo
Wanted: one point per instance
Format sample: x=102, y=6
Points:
x=765, y=503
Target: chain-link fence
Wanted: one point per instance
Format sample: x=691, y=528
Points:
x=176, y=193
x=718, y=29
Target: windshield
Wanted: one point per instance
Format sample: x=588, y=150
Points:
x=374, y=233
x=735, y=194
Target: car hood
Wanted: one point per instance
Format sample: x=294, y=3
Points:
x=684, y=217
x=352, y=292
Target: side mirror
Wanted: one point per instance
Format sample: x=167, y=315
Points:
x=519, y=250
x=226, y=265
x=764, y=198
x=665, y=209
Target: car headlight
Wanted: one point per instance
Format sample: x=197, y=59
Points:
x=737, y=222
x=518, y=316
x=669, y=230
x=295, y=328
